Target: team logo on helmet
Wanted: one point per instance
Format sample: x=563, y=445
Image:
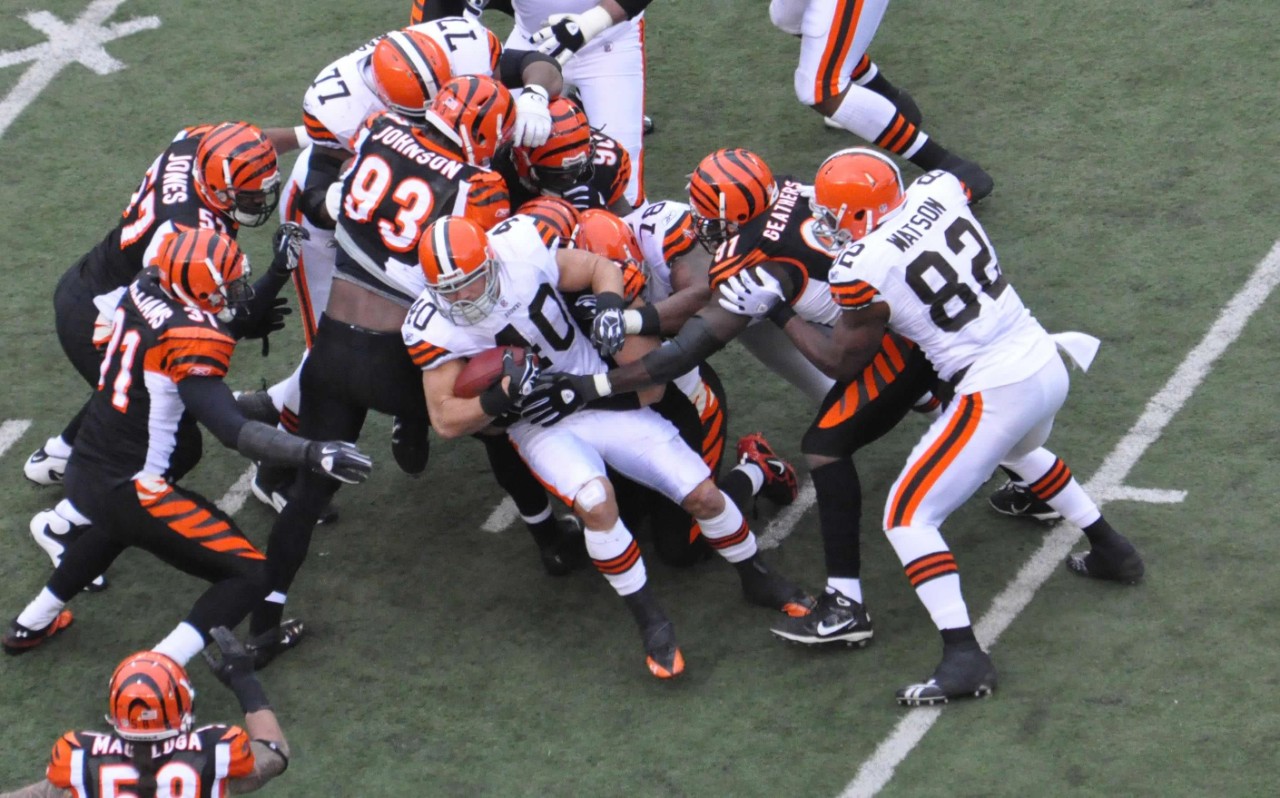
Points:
x=150, y=698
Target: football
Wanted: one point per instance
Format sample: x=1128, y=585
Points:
x=483, y=370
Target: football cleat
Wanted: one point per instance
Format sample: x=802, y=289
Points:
x=1018, y=500
x=965, y=670
x=836, y=619
x=270, y=484
x=272, y=643
x=662, y=655
x=780, y=484
x=18, y=639
x=978, y=184
x=568, y=552
x=410, y=447
x=43, y=468
x=766, y=588
x=1116, y=562
x=54, y=534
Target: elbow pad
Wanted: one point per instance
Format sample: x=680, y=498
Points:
x=692, y=345
x=258, y=441
x=633, y=8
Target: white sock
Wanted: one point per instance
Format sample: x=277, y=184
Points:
x=851, y=588
x=728, y=533
x=57, y=447
x=42, y=610
x=182, y=644
x=864, y=112
x=754, y=473
x=616, y=555
x=67, y=510
x=537, y=519
x=932, y=571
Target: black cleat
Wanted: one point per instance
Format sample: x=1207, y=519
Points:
x=1018, y=501
x=272, y=643
x=271, y=484
x=836, y=619
x=568, y=552
x=966, y=670
x=766, y=588
x=977, y=183
x=19, y=639
x=410, y=446
x=1116, y=562
x=662, y=655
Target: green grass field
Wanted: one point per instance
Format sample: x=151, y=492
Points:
x=1133, y=148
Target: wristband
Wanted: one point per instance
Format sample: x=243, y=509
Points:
x=602, y=385
x=300, y=133
x=781, y=313
x=249, y=692
x=277, y=750
x=642, y=321
x=593, y=22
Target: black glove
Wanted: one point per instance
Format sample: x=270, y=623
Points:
x=234, y=667
x=555, y=396
x=608, y=333
x=498, y=400
x=286, y=247
x=339, y=460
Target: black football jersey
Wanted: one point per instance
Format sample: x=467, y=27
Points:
x=198, y=764
x=165, y=199
x=136, y=423
x=402, y=180
x=784, y=235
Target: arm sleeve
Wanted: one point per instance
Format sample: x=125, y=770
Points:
x=512, y=64
x=693, y=344
x=324, y=165
x=211, y=402
x=259, y=441
x=633, y=8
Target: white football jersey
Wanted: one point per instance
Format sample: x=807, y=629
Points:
x=532, y=14
x=530, y=312
x=472, y=48
x=934, y=266
x=665, y=232
x=342, y=96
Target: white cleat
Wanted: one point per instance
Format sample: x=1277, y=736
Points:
x=43, y=468
x=55, y=534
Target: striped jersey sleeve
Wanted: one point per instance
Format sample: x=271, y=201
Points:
x=192, y=352
x=59, y=773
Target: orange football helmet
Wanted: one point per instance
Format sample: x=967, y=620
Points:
x=150, y=698
x=567, y=158
x=728, y=189
x=604, y=234
x=555, y=218
x=205, y=269
x=476, y=113
x=455, y=256
x=237, y=172
x=409, y=68
x=854, y=191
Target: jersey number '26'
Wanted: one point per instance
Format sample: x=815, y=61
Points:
x=952, y=303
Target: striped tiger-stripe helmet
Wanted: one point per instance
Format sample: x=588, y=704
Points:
x=205, y=269
x=567, y=158
x=409, y=68
x=476, y=113
x=855, y=190
x=554, y=217
x=728, y=189
x=237, y=172
x=456, y=258
x=150, y=698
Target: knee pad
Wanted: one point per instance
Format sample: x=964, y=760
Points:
x=592, y=495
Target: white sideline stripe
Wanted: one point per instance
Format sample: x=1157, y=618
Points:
x=1148, y=495
x=80, y=42
x=876, y=771
x=784, y=523
x=233, y=500
x=11, y=431
x=503, y=516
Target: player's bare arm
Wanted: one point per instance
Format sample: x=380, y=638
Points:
x=453, y=416
x=692, y=291
x=582, y=271
x=270, y=751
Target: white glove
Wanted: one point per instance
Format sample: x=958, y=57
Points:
x=751, y=292
x=533, y=119
x=563, y=35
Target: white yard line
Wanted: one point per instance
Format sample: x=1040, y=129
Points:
x=79, y=42
x=1107, y=484
x=11, y=431
x=235, y=497
x=784, y=523
x=503, y=516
